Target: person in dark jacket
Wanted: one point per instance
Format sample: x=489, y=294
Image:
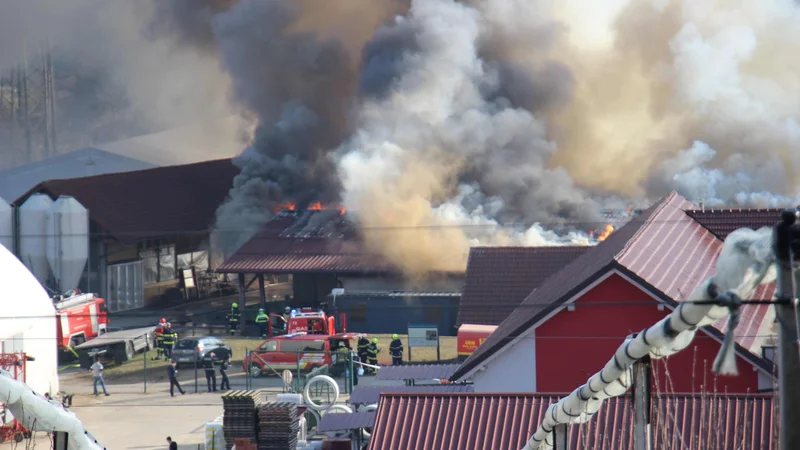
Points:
x=223, y=371
x=372, y=356
x=396, y=350
x=363, y=344
x=172, y=444
x=170, y=338
x=172, y=373
x=211, y=376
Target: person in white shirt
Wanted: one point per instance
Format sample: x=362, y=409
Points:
x=97, y=372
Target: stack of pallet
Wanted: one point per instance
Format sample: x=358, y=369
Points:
x=278, y=425
x=240, y=415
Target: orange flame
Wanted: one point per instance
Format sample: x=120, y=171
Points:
x=316, y=206
x=285, y=207
x=605, y=233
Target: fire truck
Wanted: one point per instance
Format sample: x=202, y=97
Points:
x=81, y=317
x=311, y=341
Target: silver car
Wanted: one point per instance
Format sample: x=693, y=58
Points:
x=192, y=350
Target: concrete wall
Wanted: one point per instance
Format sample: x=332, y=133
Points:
x=513, y=371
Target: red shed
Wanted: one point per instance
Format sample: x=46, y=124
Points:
x=570, y=326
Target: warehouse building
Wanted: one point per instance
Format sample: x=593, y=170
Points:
x=145, y=227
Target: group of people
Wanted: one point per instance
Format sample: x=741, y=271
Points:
x=262, y=321
x=208, y=367
x=368, y=352
x=166, y=338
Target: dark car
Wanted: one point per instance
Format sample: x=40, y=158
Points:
x=193, y=349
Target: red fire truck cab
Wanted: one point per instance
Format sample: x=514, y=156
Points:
x=308, y=321
x=81, y=317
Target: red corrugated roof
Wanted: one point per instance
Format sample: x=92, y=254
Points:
x=499, y=278
x=304, y=241
x=506, y=422
x=723, y=222
x=666, y=250
x=149, y=203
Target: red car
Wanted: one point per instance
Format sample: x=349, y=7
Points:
x=306, y=351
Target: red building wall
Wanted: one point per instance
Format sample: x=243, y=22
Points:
x=573, y=345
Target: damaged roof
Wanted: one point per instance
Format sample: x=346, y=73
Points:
x=467, y=421
x=498, y=279
x=665, y=250
x=323, y=241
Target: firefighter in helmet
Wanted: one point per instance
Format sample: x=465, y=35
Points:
x=363, y=344
x=233, y=318
x=160, y=338
x=396, y=350
x=287, y=314
x=262, y=322
x=170, y=338
x=372, y=356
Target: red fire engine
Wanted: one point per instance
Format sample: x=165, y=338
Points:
x=81, y=317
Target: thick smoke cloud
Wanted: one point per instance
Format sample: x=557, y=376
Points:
x=114, y=76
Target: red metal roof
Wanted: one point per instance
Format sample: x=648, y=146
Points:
x=499, y=278
x=665, y=249
x=416, y=372
x=152, y=202
x=304, y=241
x=723, y=222
x=506, y=422
x=368, y=395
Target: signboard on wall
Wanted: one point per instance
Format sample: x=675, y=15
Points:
x=423, y=336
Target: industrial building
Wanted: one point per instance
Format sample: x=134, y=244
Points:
x=141, y=226
x=619, y=287
x=320, y=250
x=27, y=324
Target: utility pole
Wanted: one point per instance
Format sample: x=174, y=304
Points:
x=641, y=404
x=786, y=247
x=561, y=437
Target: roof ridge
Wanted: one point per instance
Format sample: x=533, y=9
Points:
x=661, y=204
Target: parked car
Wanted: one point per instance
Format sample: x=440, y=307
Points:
x=193, y=349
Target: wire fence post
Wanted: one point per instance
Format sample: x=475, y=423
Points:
x=195, y=374
x=246, y=367
x=145, y=369
x=299, y=386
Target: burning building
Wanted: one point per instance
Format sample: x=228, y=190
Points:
x=321, y=250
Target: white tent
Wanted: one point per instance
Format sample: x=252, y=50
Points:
x=28, y=323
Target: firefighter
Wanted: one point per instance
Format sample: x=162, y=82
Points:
x=233, y=318
x=170, y=337
x=372, y=355
x=262, y=322
x=211, y=376
x=363, y=343
x=160, y=338
x=342, y=353
x=396, y=350
x=287, y=314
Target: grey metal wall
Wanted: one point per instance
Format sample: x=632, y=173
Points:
x=392, y=313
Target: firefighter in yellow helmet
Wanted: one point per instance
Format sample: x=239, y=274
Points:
x=262, y=321
x=233, y=318
x=396, y=350
x=372, y=356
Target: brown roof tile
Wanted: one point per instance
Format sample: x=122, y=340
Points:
x=304, y=241
x=663, y=248
x=499, y=278
x=152, y=202
x=506, y=422
x=723, y=222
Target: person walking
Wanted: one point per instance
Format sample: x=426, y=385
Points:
x=97, y=375
x=233, y=318
x=396, y=350
x=372, y=356
x=262, y=322
x=172, y=444
x=223, y=371
x=172, y=373
x=211, y=376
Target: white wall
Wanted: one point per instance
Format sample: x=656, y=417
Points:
x=514, y=370
x=27, y=311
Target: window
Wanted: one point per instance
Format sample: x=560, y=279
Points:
x=187, y=344
x=269, y=346
x=159, y=264
x=302, y=346
x=198, y=260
